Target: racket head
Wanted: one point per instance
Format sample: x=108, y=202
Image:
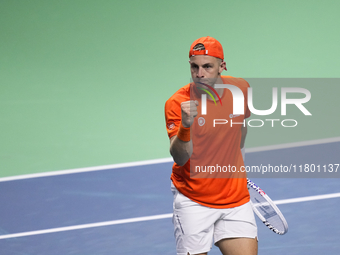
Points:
x=266, y=210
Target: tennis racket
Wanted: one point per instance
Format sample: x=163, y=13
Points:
x=266, y=210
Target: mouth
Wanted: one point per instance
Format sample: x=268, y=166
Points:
x=203, y=83
x=209, y=82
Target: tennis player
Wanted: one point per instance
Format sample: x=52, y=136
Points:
x=211, y=202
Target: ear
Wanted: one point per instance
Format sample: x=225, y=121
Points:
x=222, y=67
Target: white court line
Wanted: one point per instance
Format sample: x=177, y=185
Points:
x=305, y=199
x=87, y=169
x=293, y=145
x=162, y=160
x=153, y=217
x=91, y=225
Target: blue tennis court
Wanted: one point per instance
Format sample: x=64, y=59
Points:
x=91, y=203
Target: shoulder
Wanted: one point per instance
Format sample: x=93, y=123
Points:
x=181, y=95
x=173, y=109
x=239, y=82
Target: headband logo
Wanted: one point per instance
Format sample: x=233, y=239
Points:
x=199, y=46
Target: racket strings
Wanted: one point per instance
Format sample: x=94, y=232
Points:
x=267, y=211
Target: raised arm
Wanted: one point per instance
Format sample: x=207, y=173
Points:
x=181, y=144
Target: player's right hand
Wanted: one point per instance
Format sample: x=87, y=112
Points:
x=189, y=112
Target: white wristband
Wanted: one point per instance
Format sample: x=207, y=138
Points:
x=243, y=151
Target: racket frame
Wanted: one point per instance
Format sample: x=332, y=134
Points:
x=253, y=186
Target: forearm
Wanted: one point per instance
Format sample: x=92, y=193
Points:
x=180, y=151
x=181, y=144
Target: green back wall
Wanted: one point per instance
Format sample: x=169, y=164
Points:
x=83, y=83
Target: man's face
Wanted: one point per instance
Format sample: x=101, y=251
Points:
x=205, y=69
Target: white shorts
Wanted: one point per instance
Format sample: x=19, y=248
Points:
x=197, y=226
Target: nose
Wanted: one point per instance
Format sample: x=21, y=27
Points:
x=200, y=72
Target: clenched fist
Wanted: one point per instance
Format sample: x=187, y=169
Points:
x=189, y=112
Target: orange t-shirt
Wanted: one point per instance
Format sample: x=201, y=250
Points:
x=212, y=175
